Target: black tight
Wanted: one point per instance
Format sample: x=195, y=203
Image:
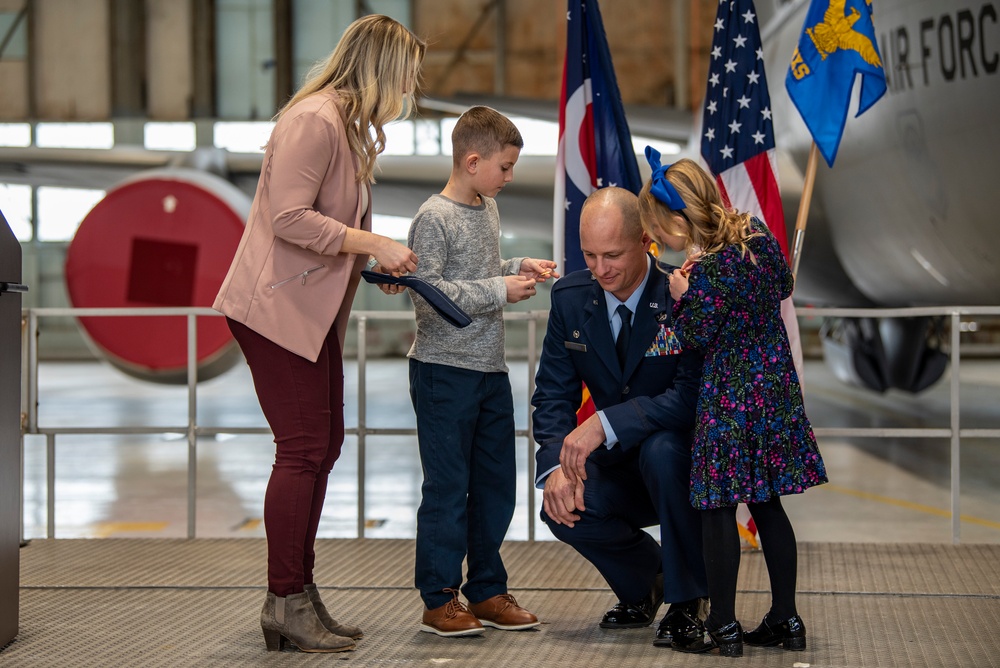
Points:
x=721, y=545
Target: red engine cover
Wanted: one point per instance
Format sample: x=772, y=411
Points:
x=164, y=238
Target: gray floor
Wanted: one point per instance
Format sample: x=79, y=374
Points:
x=880, y=584
x=195, y=603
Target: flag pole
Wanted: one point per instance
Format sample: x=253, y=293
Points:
x=559, y=213
x=802, y=219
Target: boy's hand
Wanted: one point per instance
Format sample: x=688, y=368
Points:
x=540, y=270
x=519, y=288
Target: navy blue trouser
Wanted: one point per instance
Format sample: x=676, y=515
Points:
x=465, y=431
x=647, y=485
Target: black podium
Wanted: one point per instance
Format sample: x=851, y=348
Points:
x=10, y=429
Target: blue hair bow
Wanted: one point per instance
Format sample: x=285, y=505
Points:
x=661, y=188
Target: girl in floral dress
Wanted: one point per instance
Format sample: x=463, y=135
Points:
x=753, y=443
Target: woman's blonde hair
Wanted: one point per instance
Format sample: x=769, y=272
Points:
x=375, y=69
x=710, y=225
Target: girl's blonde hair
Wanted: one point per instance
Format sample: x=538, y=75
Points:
x=710, y=225
x=375, y=69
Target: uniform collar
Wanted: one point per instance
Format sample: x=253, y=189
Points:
x=632, y=302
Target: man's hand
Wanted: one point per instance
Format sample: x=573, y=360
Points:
x=578, y=445
x=561, y=497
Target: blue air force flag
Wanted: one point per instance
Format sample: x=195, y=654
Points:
x=837, y=44
x=595, y=147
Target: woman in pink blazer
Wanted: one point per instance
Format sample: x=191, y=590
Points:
x=288, y=296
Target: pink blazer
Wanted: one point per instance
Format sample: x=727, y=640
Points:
x=289, y=281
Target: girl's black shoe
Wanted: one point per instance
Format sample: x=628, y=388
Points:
x=729, y=640
x=790, y=634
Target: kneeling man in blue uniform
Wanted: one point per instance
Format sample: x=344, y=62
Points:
x=609, y=327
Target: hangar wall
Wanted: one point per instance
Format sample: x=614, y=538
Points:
x=91, y=60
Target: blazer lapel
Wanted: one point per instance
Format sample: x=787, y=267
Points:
x=597, y=329
x=654, y=302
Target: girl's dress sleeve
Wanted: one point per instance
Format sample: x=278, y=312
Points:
x=703, y=309
x=775, y=258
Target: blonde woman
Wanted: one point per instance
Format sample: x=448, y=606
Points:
x=288, y=296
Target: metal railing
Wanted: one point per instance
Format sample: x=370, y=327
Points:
x=954, y=431
x=193, y=430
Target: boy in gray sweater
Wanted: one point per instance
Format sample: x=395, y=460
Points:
x=459, y=386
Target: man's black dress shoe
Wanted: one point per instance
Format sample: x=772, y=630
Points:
x=635, y=615
x=684, y=623
x=729, y=640
x=790, y=634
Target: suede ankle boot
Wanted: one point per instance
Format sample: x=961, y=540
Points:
x=294, y=618
x=331, y=624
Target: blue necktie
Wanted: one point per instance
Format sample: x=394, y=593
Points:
x=621, y=343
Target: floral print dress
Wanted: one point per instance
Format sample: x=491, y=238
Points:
x=752, y=438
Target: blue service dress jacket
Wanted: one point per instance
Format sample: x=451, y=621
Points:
x=656, y=391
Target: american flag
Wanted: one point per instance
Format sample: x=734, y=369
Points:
x=737, y=144
x=737, y=141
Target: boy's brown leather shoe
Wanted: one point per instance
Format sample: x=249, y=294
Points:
x=503, y=612
x=451, y=619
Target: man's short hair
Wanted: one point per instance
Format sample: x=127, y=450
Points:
x=627, y=204
x=485, y=131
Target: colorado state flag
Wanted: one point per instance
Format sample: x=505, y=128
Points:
x=837, y=43
x=595, y=146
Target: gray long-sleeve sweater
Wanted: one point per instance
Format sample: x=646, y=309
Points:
x=458, y=250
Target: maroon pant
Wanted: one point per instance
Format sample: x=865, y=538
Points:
x=303, y=402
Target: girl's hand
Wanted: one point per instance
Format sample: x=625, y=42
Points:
x=678, y=283
x=690, y=262
x=540, y=270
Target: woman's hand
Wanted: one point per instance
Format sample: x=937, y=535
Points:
x=394, y=258
x=387, y=288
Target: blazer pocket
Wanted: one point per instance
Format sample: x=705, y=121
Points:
x=301, y=276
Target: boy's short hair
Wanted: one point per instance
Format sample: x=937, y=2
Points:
x=485, y=131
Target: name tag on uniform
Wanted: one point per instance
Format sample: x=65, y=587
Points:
x=580, y=347
x=665, y=343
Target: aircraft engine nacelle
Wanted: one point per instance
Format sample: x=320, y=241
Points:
x=162, y=238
